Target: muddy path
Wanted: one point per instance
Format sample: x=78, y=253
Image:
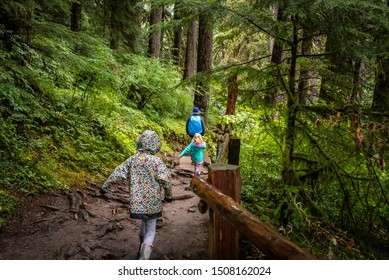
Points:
x=82, y=224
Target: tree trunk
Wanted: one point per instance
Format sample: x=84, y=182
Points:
x=226, y=152
x=290, y=131
x=75, y=17
x=277, y=54
x=288, y=173
x=204, y=61
x=222, y=142
x=132, y=29
x=232, y=94
x=29, y=24
x=137, y=12
x=303, y=84
x=233, y=151
x=155, y=33
x=162, y=37
x=19, y=20
x=340, y=64
x=190, y=50
x=177, y=41
x=324, y=94
x=356, y=94
x=381, y=89
x=115, y=10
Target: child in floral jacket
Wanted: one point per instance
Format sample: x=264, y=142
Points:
x=147, y=175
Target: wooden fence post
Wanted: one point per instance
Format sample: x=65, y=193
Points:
x=224, y=238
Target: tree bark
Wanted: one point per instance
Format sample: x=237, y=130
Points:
x=233, y=151
x=356, y=94
x=232, y=94
x=204, y=61
x=75, y=17
x=303, y=84
x=137, y=16
x=115, y=10
x=155, y=34
x=277, y=54
x=288, y=172
x=190, y=53
x=289, y=177
x=177, y=41
x=222, y=147
x=381, y=89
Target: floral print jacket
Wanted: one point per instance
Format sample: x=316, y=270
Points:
x=147, y=175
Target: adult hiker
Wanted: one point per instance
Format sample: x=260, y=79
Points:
x=195, y=123
x=147, y=175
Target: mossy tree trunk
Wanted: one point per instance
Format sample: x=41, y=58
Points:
x=288, y=173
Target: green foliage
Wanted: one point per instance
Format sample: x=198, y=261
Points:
x=337, y=192
x=152, y=87
x=8, y=204
x=71, y=108
x=341, y=184
x=260, y=162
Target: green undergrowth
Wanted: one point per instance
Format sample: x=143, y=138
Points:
x=338, y=210
x=8, y=206
x=71, y=109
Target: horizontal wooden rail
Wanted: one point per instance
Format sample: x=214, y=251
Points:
x=260, y=235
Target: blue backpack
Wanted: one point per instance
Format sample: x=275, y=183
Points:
x=194, y=125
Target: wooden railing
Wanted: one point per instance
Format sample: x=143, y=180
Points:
x=228, y=219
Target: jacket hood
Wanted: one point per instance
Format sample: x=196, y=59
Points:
x=149, y=141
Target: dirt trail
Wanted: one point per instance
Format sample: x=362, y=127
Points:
x=84, y=225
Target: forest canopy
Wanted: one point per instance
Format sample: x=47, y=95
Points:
x=303, y=84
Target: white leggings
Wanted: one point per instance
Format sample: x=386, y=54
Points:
x=197, y=168
x=147, y=230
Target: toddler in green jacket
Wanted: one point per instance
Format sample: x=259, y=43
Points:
x=196, y=149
